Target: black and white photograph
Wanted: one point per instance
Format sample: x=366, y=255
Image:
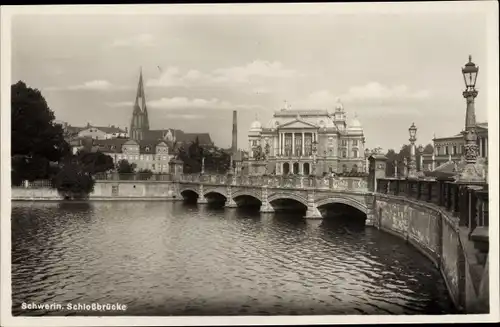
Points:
x=191, y=164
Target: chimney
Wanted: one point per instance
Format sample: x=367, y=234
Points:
x=234, y=145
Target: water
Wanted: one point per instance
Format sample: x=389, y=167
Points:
x=172, y=258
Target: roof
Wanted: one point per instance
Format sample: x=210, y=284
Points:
x=115, y=145
x=303, y=112
x=179, y=135
x=483, y=125
x=106, y=129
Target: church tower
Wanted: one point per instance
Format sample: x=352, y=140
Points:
x=140, y=120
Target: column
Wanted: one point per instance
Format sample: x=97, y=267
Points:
x=280, y=145
x=303, y=144
x=480, y=147
x=293, y=144
x=486, y=147
x=275, y=145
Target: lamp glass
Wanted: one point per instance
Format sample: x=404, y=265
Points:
x=412, y=130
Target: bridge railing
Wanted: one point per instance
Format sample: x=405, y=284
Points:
x=277, y=181
x=467, y=202
x=164, y=177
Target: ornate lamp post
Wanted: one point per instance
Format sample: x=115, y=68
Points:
x=470, y=173
x=412, y=171
x=314, y=152
x=202, y=165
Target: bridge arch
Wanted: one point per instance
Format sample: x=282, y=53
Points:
x=189, y=189
x=287, y=196
x=216, y=192
x=246, y=193
x=344, y=200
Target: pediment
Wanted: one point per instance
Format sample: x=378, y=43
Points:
x=297, y=123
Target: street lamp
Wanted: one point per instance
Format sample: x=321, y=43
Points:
x=470, y=173
x=314, y=152
x=412, y=171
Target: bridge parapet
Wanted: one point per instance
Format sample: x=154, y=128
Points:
x=450, y=221
x=359, y=184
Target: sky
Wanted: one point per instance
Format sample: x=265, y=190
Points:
x=390, y=69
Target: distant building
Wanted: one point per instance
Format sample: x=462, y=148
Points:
x=450, y=149
x=290, y=135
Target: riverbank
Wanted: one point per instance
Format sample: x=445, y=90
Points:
x=107, y=191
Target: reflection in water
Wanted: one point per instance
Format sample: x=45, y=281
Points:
x=187, y=259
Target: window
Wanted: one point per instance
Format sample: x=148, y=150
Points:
x=344, y=154
x=446, y=150
x=355, y=142
x=148, y=149
x=254, y=143
x=354, y=153
x=438, y=150
x=463, y=148
x=344, y=168
x=344, y=142
x=113, y=147
x=454, y=149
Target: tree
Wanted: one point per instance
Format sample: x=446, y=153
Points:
x=95, y=162
x=72, y=182
x=36, y=139
x=124, y=167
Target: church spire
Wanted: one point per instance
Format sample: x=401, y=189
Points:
x=140, y=99
x=140, y=120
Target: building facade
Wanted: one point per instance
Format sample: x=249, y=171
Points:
x=451, y=148
x=307, y=142
x=151, y=155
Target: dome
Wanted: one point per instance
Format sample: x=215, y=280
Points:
x=355, y=124
x=256, y=126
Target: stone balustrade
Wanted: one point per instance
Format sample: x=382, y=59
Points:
x=276, y=181
x=467, y=202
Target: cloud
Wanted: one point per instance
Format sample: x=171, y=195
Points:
x=183, y=103
x=141, y=40
x=257, y=73
x=184, y=116
x=373, y=93
x=95, y=85
x=180, y=103
x=375, y=90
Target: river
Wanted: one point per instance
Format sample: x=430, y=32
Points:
x=174, y=258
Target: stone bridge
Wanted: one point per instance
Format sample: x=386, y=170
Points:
x=312, y=192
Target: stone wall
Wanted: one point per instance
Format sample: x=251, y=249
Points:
x=107, y=190
x=436, y=234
